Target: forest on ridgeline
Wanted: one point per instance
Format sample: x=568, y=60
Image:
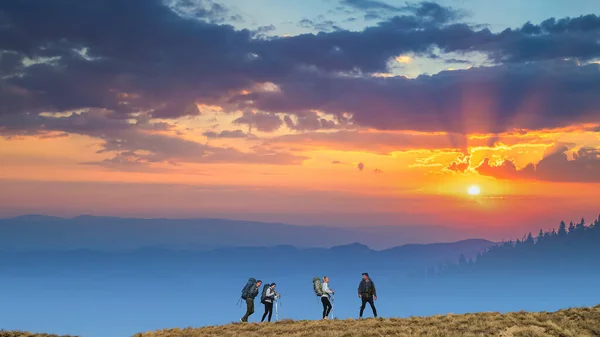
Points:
x=572, y=247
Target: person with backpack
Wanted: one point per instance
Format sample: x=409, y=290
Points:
x=367, y=293
x=325, y=297
x=267, y=297
x=249, y=293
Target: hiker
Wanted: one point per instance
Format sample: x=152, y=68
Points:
x=249, y=293
x=367, y=293
x=267, y=299
x=325, y=297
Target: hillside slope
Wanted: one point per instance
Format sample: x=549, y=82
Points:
x=576, y=322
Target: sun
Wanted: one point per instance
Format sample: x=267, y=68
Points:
x=474, y=190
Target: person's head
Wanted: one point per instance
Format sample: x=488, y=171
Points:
x=325, y=279
x=365, y=276
x=258, y=283
x=273, y=285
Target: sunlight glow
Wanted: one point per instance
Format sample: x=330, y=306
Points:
x=474, y=190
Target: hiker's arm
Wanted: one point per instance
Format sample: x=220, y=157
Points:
x=374, y=289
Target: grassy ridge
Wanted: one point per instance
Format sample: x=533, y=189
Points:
x=575, y=322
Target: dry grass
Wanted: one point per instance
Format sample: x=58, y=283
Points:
x=27, y=334
x=577, y=322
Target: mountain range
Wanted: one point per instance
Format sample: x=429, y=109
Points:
x=39, y=232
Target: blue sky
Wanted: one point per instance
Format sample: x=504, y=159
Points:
x=498, y=15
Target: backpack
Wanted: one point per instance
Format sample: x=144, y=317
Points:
x=318, y=286
x=263, y=296
x=247, y=287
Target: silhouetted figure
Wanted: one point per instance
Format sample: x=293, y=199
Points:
x=325, y=298
x=268, y=301
x=367, y=293
x=249, y=295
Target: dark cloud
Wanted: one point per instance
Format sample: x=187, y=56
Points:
x=552, y=39
x=262, y=30
x=424, y=10
x=94, y=123
x=370, y=5
x=309, y=121
x=264, y=122
x=556, y=167
x=486, y=99
x=226, y=134
x=147, y=58
x=136, y=143
x=371, y=16
x=157, y=148
x=360, y=166
x=10, y=62
x=163, y=60
x=457, y=61
x=434, y=11
x=336, y=162
x=319, y=24
x=377, y=171
x=208, y=10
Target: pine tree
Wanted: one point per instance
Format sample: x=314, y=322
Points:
x=571, y=227
x=540, y=236
x=581, y=225
x=562, y=229
x=529, y=239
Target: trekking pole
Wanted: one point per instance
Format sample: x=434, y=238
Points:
x=332, y=306
x=281, y=304
x=276, y=310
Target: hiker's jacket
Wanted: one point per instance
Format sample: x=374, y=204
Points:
x=270, y=295
x=326, y=291
x=367, y=288
x=253, y=292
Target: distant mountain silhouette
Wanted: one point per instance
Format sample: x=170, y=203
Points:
x=39, y=232
x=341, y=259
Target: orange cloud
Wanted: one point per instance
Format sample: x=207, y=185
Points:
x=584, y=167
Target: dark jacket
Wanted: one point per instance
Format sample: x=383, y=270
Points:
x=253, y=292
x=367, y=288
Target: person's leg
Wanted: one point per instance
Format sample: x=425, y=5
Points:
x=248, y=303
x=270, y=310
x=325, y=301
x=373, y=307
x=362, y=307
x=266, y=311
x=329, y=306
x=251, y=307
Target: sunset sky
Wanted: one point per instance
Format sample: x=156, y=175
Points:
x=336, y=112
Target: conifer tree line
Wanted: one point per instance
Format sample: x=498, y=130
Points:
x=573, y=247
